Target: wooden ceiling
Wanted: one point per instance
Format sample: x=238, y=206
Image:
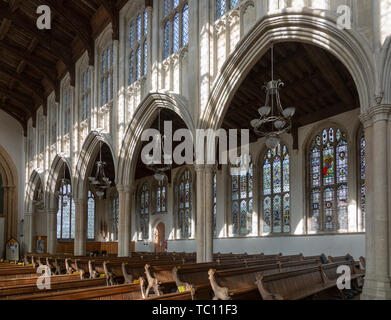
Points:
x=317, y=84
x=34, y=61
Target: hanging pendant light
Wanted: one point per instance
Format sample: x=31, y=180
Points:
x=161, y=167
x=100, y=183
x=274, y=119
x=64, y=192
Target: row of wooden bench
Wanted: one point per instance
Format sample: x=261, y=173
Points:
x=252, y=278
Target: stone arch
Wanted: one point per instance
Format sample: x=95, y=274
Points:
x=87, y=156
x=53, y=180
x=143, y=118
x=304, y=25
x=9, y=177
x=36, y=179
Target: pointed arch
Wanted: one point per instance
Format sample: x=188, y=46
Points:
x=36, y=180
x=294, y=25
x=143, y=118
x=86, y=160
x=9, y=180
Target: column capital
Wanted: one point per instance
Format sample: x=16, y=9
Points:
x=381, y=112
x=204, y=167
x=129, y=189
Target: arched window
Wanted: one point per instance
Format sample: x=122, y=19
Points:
x=328, y=163
x=361, y=180
x=223, y=6
x=53, y=123
x=276, y=191
x=214, y=205
x=144, y=205
x=91, y=216
x=106, y=76
x=138, y=47
x=161, y=196
x=242, y=201
x=65, y=215
x=1, y=196
x=184, y=204
x=176, y=14
x=67, y=101
x=115, y=216
x=85, y=94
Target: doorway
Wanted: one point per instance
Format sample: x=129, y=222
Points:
x=160, y=236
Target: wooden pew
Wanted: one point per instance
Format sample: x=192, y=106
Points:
x=33, y=280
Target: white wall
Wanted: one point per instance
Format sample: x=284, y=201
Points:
x=12, y=140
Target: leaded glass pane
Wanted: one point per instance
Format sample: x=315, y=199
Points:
x=167, y=7
x=175, y=33
x=243, y=186
x=145, y=22
x=235, y=187
x=342, y=162
x=91, y=217
x=185, y=25
x=131, y=35
x=243, y=218
x=362, y=158
x=286, y=178
x=286, y=214
x=138, y=63
x=267, y=215
x=328, y=205
x=267, y=182
x=277, y=175
x=167, y=40
x=221, y=7
x=315, y=167
x=342, y=208
x=235, y=217
x=233, y=4
x=328, y=166
x=131, y=68
x=175, y=3
x=145, y=63
x=315, y=223
x=139, y=26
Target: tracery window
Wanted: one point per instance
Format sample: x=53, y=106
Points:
x=138, y=47
x=184, y=196
x=328, y=163
x=106, y=76
x=65, y=215
x=161, y=196
x=276, y=191
x=85, y=94
x=223, y=6
x=53, y=123
x=361, y=180
x=91, y=216
x=242, y=201
x=67, y=101
x=176, y=26
x=144, y=210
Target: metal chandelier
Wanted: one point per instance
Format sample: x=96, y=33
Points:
x=274, y=119
x=99, y=183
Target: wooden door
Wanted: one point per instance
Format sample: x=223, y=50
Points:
x=160, y=237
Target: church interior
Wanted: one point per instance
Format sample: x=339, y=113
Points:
x=290, y=98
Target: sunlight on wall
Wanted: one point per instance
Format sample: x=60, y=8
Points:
x=234, y=32
x=319, y=4
x=385, y=19
x=298, y=3
x=300, y=227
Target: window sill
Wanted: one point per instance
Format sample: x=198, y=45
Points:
x=137, y=84
x=106, y=108
x=175, y=56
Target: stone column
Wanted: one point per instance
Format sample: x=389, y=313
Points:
x=204, y=231
x=80, y=227
x=52, y=231
x=124, y=224
x=377, y=281
x=28, y=231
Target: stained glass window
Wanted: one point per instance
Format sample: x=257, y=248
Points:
x=328, y=182
x=276, y=188
x=91, y=216
x=138, y=46
x=65, y=215
x=176, y=26
x=85, y=94
x=106, y=78
x=144, y=210
x=362, y=174
x=223, y=6
x=242, y=203
x=184, y=206
x=161, y=196
x=115, y=217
